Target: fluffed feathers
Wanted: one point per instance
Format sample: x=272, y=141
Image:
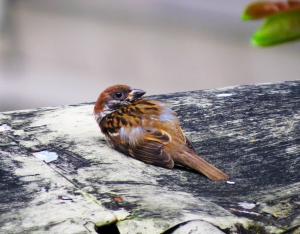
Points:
x=148, y=131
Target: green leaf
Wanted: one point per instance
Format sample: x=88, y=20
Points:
x=277, y=29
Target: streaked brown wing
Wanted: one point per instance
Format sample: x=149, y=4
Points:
x=150, y=150
x=150, y=146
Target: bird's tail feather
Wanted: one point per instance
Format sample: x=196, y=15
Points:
x=193, y=161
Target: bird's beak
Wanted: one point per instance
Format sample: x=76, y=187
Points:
x=135, y=94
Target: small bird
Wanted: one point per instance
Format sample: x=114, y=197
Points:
x=147, y=130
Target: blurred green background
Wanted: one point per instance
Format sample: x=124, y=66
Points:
x=56, y=52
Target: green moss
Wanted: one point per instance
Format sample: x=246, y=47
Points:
x=253, y=228
x=281, y=210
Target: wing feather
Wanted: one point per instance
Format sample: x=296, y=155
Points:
x=143, y=130
x=149, y=150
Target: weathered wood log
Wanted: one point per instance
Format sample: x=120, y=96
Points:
x=57, y=174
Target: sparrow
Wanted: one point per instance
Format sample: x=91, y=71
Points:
x=147, y=130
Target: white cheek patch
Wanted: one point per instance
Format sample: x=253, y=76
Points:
x=167, y=116
x=100, y=115
x=132, y=136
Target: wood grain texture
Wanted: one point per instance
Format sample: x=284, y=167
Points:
x=250, y=132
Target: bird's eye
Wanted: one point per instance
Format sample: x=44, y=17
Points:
x=118, y=95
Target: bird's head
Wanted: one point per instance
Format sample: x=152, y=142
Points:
x=114, y=97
